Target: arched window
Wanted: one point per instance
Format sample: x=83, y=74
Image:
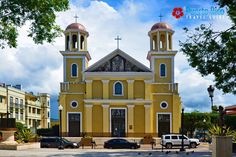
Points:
x=163, y=70
x=74, y=41
x=162, y=41
x=74, y=104
x=67, y=42
x=74, y=70
x=118, y=88
x=154, y=42
x=81, y=42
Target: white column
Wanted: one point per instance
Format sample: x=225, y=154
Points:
x=88, y=118
x=106, y=119
x=167, y=41
x=130, y=118
x=70, y=41
x=78, y=44
x=147, y=118
x=158, y=41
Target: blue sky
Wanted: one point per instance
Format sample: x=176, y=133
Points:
x=39, y=67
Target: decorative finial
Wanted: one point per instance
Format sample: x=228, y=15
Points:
x=160, y=16
x=76, y=17
x=117, y=38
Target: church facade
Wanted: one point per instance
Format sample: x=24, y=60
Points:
x=119, y=96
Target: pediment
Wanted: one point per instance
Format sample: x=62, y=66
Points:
x=118, y=61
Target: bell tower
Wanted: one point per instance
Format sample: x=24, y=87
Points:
x=75, y=55
x=161, y=55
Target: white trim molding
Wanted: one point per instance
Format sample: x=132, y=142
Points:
x=77, y=104
x=71, y=70
x=114, y=89
x=126, y=118
x=107, y=101
x=81, y=129
x=169, y=113
x=164, y=107
x=130, y=81
x=160, y=70
x=105, y=81
x=105, y=105
x=88, y=105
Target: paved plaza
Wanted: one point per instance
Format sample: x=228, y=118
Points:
x=87, y=152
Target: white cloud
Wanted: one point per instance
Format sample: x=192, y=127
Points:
x=39, y=67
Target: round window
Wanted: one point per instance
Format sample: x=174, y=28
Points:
x=164, y=105
x=74, y=104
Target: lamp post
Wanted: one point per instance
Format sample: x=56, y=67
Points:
x=60, y=110
x=204, y=136
x=210, y=90
x=221, y=110
x=182, y=130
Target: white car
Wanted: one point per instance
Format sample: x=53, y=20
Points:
x=171, y=140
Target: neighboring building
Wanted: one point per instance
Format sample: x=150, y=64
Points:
x=119, y=96
x=231, y=110
x=29, y=109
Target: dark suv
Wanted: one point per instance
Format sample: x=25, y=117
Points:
x=54, y=142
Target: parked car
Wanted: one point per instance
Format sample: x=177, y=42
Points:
x=120, y=144
x=171, y=140
x=55, y=142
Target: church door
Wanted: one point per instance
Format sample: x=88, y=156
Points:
x=118, y=122
x=163, y=124
x=74, y=124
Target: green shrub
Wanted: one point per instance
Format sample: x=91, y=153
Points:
x=24, y=135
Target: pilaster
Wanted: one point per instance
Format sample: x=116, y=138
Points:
x=130, y=119
x=147, y=118
x=147, y=89
x=105, y=119
x=130, y=89
x=89, y=89
x=105, y=89
x=88, y=118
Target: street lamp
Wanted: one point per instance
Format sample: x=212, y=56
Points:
x=60, y=110
x=210, y=90
x=182, y=130
x=204, y=136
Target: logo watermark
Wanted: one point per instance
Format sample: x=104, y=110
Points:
x=193, y=13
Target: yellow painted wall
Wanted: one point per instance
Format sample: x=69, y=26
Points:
x=157, y=99
x=139, y=89
x=97, y=120
x=70, y=61
x=65, y=101
x=176, y=113
x=97, y=88
x=139, y=119
x=166, y=61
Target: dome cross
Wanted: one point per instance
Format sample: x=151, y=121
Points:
x=160, y=16
x=117, y=38
x=76, y=17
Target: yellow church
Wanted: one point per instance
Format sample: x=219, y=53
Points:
x=118, y=96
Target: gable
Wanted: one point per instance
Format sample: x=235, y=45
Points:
x=118, y=61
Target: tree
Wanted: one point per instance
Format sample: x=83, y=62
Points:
x=39, y=13
x=214, y=52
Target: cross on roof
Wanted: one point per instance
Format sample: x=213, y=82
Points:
x=76, y=17
x=160, y=16
x=117, y=38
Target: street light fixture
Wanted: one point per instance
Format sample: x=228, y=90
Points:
x=60, y=110
x=182, y=130
x=210, y=90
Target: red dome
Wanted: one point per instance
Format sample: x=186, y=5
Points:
x=76, y=26
x=161, y=25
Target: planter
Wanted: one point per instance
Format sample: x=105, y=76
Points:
x=234, y=147
x=221, y=146
x=8, y=136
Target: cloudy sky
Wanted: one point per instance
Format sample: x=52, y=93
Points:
x=39, y=67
